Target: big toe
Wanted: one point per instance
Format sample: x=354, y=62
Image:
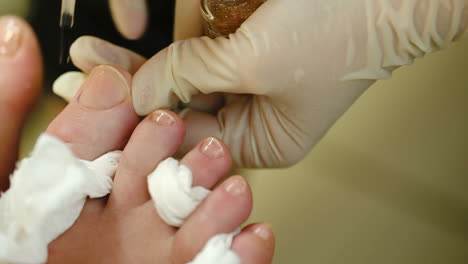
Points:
x=100, y=118
x=20, y=85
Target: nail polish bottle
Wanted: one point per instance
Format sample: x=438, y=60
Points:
x=223, y=17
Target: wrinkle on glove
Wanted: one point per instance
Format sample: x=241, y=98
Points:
x=170, y=187
x=396, y=35
x=48, y=191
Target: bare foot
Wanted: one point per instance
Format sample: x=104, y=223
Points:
x=126, y=228
x=20, y=85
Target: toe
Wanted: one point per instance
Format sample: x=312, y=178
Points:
x=101, y=117
x=226, y=208
x=255, y=244
x=155, y=139
x=20, y=85
x=209, y=161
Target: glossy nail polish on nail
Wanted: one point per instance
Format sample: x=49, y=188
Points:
x=236, y=186
x=163, y=118
x=212, y=148
x=10, y=36
x=263, y=231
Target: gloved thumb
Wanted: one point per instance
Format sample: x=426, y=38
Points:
x=189, y=67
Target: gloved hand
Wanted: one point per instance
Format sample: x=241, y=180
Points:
x=291, y=70
x=131, y=17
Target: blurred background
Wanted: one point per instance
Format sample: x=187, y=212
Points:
x=389, y=182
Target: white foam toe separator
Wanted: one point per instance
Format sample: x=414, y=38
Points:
x=47, y=193
x=170, y=187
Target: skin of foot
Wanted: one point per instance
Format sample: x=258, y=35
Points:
x=125, y=227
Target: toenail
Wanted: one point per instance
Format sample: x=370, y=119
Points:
x=212, y=148
x=162, y=118
x=263, y=231
x=236, y=186
x=10, y=36
x=105, y=88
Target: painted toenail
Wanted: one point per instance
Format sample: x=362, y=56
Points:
x=162, y=118
x=105, y=88
x=263, y=231
x=10, y=36
x=236, y=186
x=212, y=148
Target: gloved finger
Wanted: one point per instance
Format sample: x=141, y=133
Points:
x=130, y=17
x=189, y=67
x=88, y=52
x=256, y=131
x=188, y=22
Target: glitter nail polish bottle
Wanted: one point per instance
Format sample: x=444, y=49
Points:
x=223, y=17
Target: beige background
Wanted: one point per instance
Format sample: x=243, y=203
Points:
x=388, y=184
x=17, y=7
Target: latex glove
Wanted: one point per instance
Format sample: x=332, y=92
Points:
x=296, y=67
x=130, y=17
